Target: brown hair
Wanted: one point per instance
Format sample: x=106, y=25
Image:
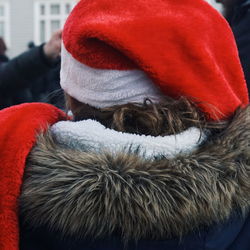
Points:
x=165, y=118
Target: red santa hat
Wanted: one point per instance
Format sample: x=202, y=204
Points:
x=122, y=51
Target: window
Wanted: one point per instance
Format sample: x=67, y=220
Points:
x=42, y=9
x=2, y=31
x=55, y=25
x=55, y=9
x=67, y=8
x=50, y=15
x=4, y=22
x=1, y=11
x=42, y=31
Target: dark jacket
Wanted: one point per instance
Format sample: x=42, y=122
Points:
x=3, y=59
x=240, y=23
x=18, y=75
x=75, y=197
x=47, y=88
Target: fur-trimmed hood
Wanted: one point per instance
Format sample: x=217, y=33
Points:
x=83, y=193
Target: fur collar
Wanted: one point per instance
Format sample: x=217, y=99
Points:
x=95, y=194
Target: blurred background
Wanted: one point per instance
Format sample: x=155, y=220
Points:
x=26, y=23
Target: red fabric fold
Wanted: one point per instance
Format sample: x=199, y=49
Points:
x=19, y=126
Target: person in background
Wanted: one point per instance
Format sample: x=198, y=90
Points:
x=157, y=153
x=18, y=76
x=237, y=13
x=3, y=49
x=31, y=45
x=46, y=88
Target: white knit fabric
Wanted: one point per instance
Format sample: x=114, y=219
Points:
x=103, y=88
x=92, y=136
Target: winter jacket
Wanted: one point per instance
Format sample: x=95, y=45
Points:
x=240, y=22
x=22, y=77
x=3, y=59
x=88, y=187
x=47, y=88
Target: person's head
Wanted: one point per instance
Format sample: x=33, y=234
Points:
x=3, y=46
x=31, y=45
x=116, y=56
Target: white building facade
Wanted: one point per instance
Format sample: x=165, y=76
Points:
x=23, y=21
x=5, y=20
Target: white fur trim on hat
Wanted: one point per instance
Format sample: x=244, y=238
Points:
x=104, y=88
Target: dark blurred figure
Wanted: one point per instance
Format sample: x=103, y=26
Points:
x=3, y=49
x=237, y=12
x=31, y=45
x=25, y=77
x=47, y=87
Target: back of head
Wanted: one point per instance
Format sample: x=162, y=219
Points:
x=115, y=54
